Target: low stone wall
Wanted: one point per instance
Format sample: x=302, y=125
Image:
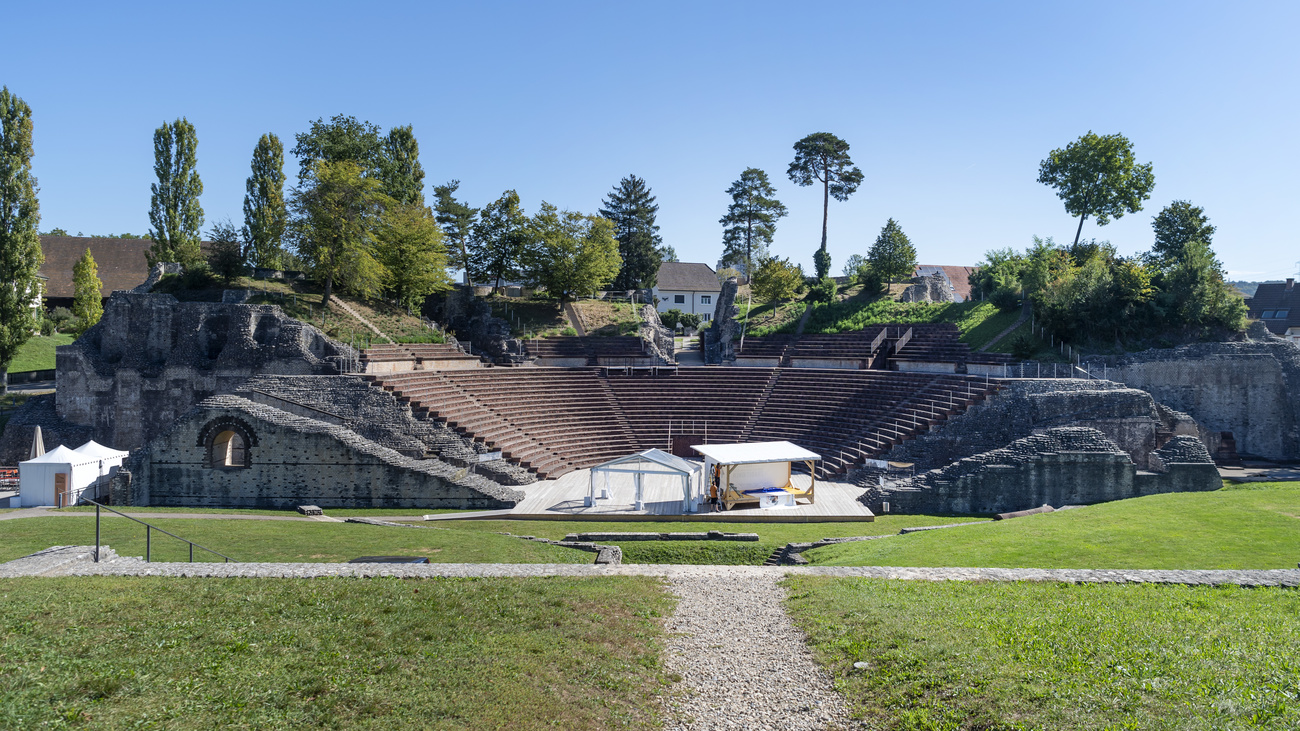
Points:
x=842, y=363
x=916, y=366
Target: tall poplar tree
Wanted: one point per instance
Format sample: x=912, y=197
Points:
x=20, y=245
x=403, y=175
x=822, y=157
x=87, y=302
x=174, y=211
x=265, y=214
x=632, y=209
x=750, y=222
x=457, y=222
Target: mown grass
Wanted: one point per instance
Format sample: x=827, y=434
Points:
x=132, y=653
x=771, y=536
x=278, y=541
x=37, y=354
x=1253, y=526
x=999, y=656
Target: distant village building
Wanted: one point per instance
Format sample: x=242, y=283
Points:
x=121, y=264
x=1276, y=305
x=958, y=278
x=688, y=287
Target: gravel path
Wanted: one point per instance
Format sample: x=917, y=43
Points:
x=743, y=663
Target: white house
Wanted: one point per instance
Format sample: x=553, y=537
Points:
x=59, y=476
x=687, y=287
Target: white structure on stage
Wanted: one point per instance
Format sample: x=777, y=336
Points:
x=756, y=472
x=649, y=462
x=59, y=476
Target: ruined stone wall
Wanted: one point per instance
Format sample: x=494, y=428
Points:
x=933, y=288
x=151, y=358
x=293, y=460
x=658, y=339
x=16, y=438
x=724, y=328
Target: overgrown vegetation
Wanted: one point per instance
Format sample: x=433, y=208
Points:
x=129, y=653
x=37, y=354
x=964, y=656
x=608, y=318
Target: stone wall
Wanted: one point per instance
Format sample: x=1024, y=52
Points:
x=292, y=460
x=933, y=288
x=16, y=438
x=724, y=328
x=658, y=339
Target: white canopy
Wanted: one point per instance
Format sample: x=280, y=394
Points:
x=755, y=453
x=61, y=455
x=649, y=462
x=59, y=476
x=94, y=449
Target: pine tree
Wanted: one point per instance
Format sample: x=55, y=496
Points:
x=750, y=221
x=403, y=175
x=823, y=157
x=457, y=222
x=265, y=215
x=87, y=302
x=20, y=245
x=632, y=209
x=174, y=210
x=892, y=255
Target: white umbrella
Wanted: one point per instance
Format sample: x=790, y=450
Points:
x=38, y=444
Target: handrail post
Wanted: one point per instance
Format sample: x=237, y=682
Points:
x=191, y=553
x=148, y=546
x=96, y=533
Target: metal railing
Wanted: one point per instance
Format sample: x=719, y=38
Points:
x=148, y=538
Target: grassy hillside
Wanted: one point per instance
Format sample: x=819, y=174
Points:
x=531, y=317
x=608, y=318
x=37, y=354
x=1250, y=526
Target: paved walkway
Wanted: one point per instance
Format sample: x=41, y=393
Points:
x=43, y=512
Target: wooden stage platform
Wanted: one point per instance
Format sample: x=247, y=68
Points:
x=563, y=499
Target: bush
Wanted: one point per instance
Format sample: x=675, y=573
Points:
x=198, y=276
x=1024, y=346
x=61, y=318
x=1005, y=299
x=690, y=320
x=671, y=318
x=569, y=331
x=870, y=279
x=823, y=291
x=47, y=327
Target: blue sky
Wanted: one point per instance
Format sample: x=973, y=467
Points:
x=949, y=107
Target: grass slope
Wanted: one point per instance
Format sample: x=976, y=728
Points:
x=37, y=354
x=1254, y=526
x=608, y=318
x=130, y=653
x=993, y=656
x=278, y=540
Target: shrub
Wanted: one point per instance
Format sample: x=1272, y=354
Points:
x=198, y=276
x=61, y=317
x=671, y=318
x=47, y=326
x=823, y=291
x=1005, y=299
x=690, y=320
x=1024, y=346
x=870, y=279
x=569, y=331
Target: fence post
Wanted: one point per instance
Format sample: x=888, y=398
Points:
x=148, y=545
x=96, y=532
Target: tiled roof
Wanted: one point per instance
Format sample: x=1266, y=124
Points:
x=687, y=277
x=1272, y=297
x=121, y=262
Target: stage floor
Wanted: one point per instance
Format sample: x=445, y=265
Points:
x=563, y=499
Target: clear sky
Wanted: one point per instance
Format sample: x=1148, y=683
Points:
x=949, y=107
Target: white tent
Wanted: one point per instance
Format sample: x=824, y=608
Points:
x=649, y=462
x=757, y=472
x=59, y=476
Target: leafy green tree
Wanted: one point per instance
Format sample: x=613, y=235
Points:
x=1179, y=224
x=690, y=320
x=776, y=279
x=174, y=210
x=1196, y=296
x=667, y=253
x=853, y=265
x=1097, y=176
x=751, y=219
x=343, y=138
x=414, y=258
x=823, y=157
x=457, y=222
x=573, y=253
x=225, y=252
x=20, y=217
x=265, y=215
x=632, y=210
x=403, y=175
x=336, y=216
x=671, y=318
x=892, y=255
x=499, y=239
x=56, y=232
x=87, y=302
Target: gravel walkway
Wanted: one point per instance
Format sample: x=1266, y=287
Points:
x=742, y=662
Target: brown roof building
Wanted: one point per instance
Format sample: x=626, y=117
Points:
x=1278, y=307
x=121, y=263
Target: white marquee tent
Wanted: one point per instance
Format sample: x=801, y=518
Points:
x=757, y=472
x=59, y=476
x=649, y=462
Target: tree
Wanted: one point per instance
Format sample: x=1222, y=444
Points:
x=1195, y=294
x=1097, y=176
x=499, y=240
x=892, y=255
x=457, y=222
x=20, y=217
x=572, y=253
x=174, y=210
x=225, y=252
x=751, y=218
x=265, y=215
x=414, y=258
x=853, y=265
x=403, y=175
x=671, y=318
x=343, y=138
x=1179, y=224
x=87, y=302
x=823, y=157
x=336, y=216
x=667, y=253
x=632, y=210
x=776, y=279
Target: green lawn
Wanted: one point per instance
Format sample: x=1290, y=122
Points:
x=279, y=540
x=131, y=653
x=1254, y=526
x=771, y=536
x=964, y=656
x=37, y=354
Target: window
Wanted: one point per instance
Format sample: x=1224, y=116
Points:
x=228, y=450
x=1266, y=315
x=705, y=317
x=679, y=299
x=706, y=299
x=1281, y=314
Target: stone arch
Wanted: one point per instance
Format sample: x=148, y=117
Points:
x=227, y=443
